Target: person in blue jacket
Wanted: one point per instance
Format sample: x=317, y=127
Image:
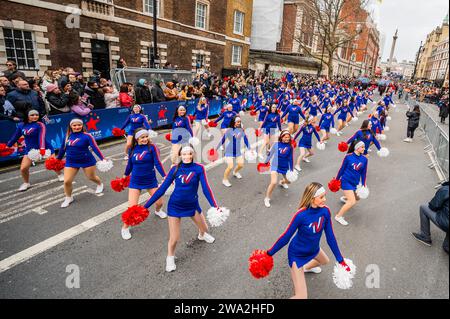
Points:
x=143, y=160
x=77, y=147
x=305, y=255
x=201, y=114
x=181, y=132
x=284, y=103
x=293, y=113
x=366, y=135
x=376, y=124
x=388, y=100
x=34, y=133
x=306, y=150
x=184, y=202
x=234, y=137
x=326, y=123
x=271, y=123
x=236, y=103
x=353, y=172
x=313, y=107
x=343, y=111
x=262, y=109
x=281, y=158
x=135, y=120
x=226, y=116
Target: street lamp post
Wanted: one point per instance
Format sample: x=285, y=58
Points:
x=154, y=57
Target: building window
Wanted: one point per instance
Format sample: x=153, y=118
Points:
x=201, y=14
x=236, y=55
x=20, y=47
x=238, y=22
x=199, y=61
x=148, y=7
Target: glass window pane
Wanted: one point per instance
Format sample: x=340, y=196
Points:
x=7, y=33
x=20, y=53
x=18, y=34
x=31, y=63
x=18, y=43
x=27, y=36
x=29, y=45
x=10, y=54
x=9, y=43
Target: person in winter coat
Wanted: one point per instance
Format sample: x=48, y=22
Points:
x=76, y=84
x=23, y=92
x=157, y=92
x=78, y=106
x=443, y=111
x=94, y=96
x=170, y=92
x=413, y=123
x=142, y=92
x=111, y=97
x=58, y=101
x=125, y=99
x=437, y=212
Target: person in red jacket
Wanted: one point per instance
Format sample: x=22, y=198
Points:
x=126, y=100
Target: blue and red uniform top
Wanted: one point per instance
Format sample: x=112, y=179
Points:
x=376, y=125
x=353, y=169
x=34, y=135
x=272, y=120
x=308, y=224
x=227, y=116
x=181, y=130
x=236, y=104
x=326, y=121
x=294, y=111
x=367, y=137
x=313, y=108
x=77, y=148
x=306, y=140
x=343, y=111
x=263, y=109
x=235, y=136
x=201, y=112
x=135, y=121
x=282, y=156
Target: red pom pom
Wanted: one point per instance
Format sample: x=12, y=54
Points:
x=317, y=128
x=334, y=185
x=3, y=146
x=370, y=115
x=343, y=147
x=258, y=132
x=117, y=185
x=263, y=167
x=5, y=150
x=260, y=264
x=276, y=101
x=118, y=132
x=253, y=113
x=212, y=124
x=135, y=215
x=54, y=164
x=191, y=118
x=252, y=107
x=126, y=181
x=293, y=143
x=20, y=140
x=213, y=155
x=169, y=137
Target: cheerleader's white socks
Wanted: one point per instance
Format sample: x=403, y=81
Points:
x=170, y=264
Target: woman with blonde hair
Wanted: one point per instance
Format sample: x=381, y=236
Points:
x=304, y=252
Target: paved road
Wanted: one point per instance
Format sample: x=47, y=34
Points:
x=39, y=240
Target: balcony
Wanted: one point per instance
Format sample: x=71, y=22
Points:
x=96, y=8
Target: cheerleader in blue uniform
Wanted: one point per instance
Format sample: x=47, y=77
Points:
x=184, y=200
x=312, y=218
x=344, y=112
x=366, y=135
x=326, y=124
x=226, y=118
x=78, y=155
x=284, y=103
x=236, y=103
x=376, y=124
x=293, y=113
x=353, y=171
x=305, y=144
x=313, y=108
x=134, y=121
x=262, y=109
x=234, y=135
x=143, y=159
x=34, y=133
x=201, y=116
x=181, y=132
x=271, y=123
x=282, y=160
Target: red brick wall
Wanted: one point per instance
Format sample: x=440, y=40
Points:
x=288, y=29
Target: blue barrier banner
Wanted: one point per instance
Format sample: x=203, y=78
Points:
x=99, y=123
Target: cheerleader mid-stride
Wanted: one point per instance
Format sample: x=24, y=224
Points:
x=271, y=123
x=143, y=159
x=184, y=200
x=181, y=132
x=76, y=148
x=326, y=124
x=135, y=120
x=201, y=117
x=308, y=224
x=34, y=134
x=305, y=144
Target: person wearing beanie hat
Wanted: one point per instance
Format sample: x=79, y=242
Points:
x=157, y=92
x=57, y=100
x=142, y=92
x=34, y=133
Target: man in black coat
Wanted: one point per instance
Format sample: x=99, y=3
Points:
x=157, y=92
x=437, y=212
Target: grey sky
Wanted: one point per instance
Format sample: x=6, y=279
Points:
x=414, y=20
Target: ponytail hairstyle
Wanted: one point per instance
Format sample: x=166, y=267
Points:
x=308, y=195
x=365, y=127
x=351, y=148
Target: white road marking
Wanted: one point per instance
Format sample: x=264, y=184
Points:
x=35, y=186
x=18, y=176
x=25, y=200
x=51, y=242
x=4, y=217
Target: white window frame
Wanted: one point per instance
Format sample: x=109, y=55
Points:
x=35, y=53
x=202, y=58
x=242, y=16
x=146, y=4
x=206, y=17
x=233, y=53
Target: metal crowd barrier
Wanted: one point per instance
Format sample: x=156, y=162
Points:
x=437, y=143
x=132, y=75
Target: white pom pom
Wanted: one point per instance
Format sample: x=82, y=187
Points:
x=342, y=278
x=354, y=119
x=34, y=155
x=333, y=131
x=250, y=156
x=152, y=134
x=194, y=141
x=320, y=146
x=362, y=192
x=381, y=137
x=241, y=113
x=386, y=128
x=359, y=113
x=383, y=152
x=394, y=105
x=169, y=190
x=104, y=165
x=292, y=176
x=388, y=118
x=216, y=217
x=48, y=153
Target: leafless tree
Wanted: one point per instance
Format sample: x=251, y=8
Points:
x=333, y=28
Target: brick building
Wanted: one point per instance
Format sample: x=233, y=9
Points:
x=94, y=34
